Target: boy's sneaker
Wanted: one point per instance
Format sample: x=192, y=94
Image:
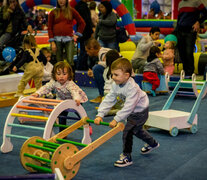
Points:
x=123, y=161
x=147, y=148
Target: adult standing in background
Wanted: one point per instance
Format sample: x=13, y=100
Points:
x=14, y=22
x=60, y=30
x=191, y=13
x=106, y=28
x=85, y=13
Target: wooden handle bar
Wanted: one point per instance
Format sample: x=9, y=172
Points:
x=101, y=123
x=69, y=130
x=71, y=161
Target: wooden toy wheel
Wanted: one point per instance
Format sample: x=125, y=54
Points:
x=33, y=151
x=62, y=152
x=193, y=128
x=174, y=131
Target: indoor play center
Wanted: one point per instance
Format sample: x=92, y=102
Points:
x=33, y=148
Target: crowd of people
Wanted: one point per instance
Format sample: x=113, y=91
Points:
x=98, y=54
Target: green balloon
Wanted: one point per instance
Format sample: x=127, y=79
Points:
x=171, y=37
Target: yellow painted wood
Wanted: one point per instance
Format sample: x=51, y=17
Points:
x=29, y=116
x=68, y=130
x=72, y=160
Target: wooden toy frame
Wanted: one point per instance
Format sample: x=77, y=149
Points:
x=59, y=106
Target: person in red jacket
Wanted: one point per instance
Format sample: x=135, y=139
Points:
x=60, y=30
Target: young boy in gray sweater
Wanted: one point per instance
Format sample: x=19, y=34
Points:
x=135, y=110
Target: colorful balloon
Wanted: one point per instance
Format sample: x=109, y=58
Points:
x=171, y=37
x=9, y=54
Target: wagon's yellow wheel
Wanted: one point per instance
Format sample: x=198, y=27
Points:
x=28, y=149
x=62, y=152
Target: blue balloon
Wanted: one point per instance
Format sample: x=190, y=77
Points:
x=9, y=54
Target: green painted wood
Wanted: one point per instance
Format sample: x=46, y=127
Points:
x=71, y=142
x=37, y=157
x=39, y=168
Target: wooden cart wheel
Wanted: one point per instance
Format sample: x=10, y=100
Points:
x=193, y=128
x=174, y=131
x=32, y=151
x=62, y=152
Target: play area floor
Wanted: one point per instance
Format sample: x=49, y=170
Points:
x=182, y=157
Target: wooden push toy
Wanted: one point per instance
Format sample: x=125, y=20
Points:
x=39, y=155
x=173, y=120
x=193, y=88
x=163, y=88
x=40, y=105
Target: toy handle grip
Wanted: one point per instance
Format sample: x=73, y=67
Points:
x=101, y=123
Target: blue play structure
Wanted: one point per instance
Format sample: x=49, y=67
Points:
x=163, y=88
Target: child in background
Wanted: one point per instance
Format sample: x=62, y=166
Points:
x=94, y=14
x=34, y=68
x=48, y=67
x=203, y=35
x=168, y=57
x=64, y=87
x=110, y=57
x=139, y=59
x=135, y=110
x=153, y=68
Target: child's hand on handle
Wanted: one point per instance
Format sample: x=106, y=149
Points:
x=77, y=102
x=113, y=123
x=98, y=120
x=35, y=95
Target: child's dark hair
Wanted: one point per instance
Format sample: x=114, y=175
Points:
x=111, y=56
x=45, y=50
x=123, y=64
x=62, y=65
x=152, y=54
x=154, y=29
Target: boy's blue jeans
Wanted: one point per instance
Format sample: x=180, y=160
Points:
x=134, y=126
x=98, y=77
